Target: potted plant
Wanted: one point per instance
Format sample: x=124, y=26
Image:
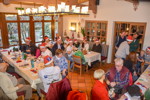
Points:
x=83, y=31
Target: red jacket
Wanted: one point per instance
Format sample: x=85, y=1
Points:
x=99, y=91
x=59, y=90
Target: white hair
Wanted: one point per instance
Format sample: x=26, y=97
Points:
x=118, y=61
x=98, y=74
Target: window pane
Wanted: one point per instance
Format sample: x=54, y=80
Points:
x=11, y=17
x=47, y=17
x=38, y=31
x=1, y=43
x=12, y=29
x=37, y=17
x=47, y=29
x=25, y=31
x=56, y=27
x=24, y=17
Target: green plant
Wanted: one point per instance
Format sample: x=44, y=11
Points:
x=83, y=31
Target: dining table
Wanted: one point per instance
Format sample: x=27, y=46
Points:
x=24, y=67
x=144, y=80
x=91, y=57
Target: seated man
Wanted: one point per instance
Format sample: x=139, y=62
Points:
x=48, y=74
x=28, y=48
x=61, y=61
x=66, y=40
x=45, y=51
x=119, y=75
x=97, y=47
x=76, y=43
x=146, y=59
x=85, y=45
x=57, y=45
x=11, y=85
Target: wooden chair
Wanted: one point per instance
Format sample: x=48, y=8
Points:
x=68, y=65
x=78, y=63
x=104, y=53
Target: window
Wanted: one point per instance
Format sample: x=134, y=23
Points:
x=20, y=27
x=47, y=29
x=12, y=29
x=25, y=31
x=38, y=31
x=47, y=17
x=96, y=29
x=10, y=17
x=24, y=18
x=1, y=44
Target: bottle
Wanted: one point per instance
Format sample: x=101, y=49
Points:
x=32, y=63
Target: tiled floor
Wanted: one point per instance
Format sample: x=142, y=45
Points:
x=85, y=81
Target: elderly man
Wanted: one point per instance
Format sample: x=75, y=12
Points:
x=97, y=47
x=11, y=85
x=57, y=45
x=118, y=75
x=146, y=59
x=28, y=48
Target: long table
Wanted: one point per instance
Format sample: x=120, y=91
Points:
x=144, y=80
x=24, y=71
x=91, y=57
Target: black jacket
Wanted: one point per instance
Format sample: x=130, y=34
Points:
x=97, y=48
x=55, y=47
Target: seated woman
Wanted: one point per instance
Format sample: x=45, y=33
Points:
x=85, y=45
x=99, y=90
x=10, y=85
x=130, y=63
x=76, y=43
x=48, y=74
x=61, y=62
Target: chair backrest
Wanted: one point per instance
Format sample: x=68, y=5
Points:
x=77, y=59
x=68, y=64
x=59, y=90
x=104, y=50
x=77, y=95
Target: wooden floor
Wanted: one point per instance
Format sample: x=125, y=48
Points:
x=84, y=82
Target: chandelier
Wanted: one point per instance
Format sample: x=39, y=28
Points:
x=61, y=9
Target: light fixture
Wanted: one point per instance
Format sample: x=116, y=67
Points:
x=73, y=27
x=60, y=9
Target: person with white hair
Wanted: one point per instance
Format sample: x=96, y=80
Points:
x=99, y=90
x=119, y=76
x=10, y=85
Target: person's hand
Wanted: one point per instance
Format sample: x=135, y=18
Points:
x=123, y=97
x=112, y=84
x=20, y=86
x=63, y=72
x=107, y=82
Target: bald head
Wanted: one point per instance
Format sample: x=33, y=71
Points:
x=3, y=67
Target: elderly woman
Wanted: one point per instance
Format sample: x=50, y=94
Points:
x=99, y=90
x=10, y=85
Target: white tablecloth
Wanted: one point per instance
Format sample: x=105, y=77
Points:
x=144, y=80
x=25, y=72
x=91, y=57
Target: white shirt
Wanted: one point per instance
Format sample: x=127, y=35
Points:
x=132, y=98
x=70, y=48
x=86, y=47
x=66, y=42
x=47, y=52
x=123, y=50
x=48, y=75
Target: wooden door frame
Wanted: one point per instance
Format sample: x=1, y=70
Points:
x=114, y=36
